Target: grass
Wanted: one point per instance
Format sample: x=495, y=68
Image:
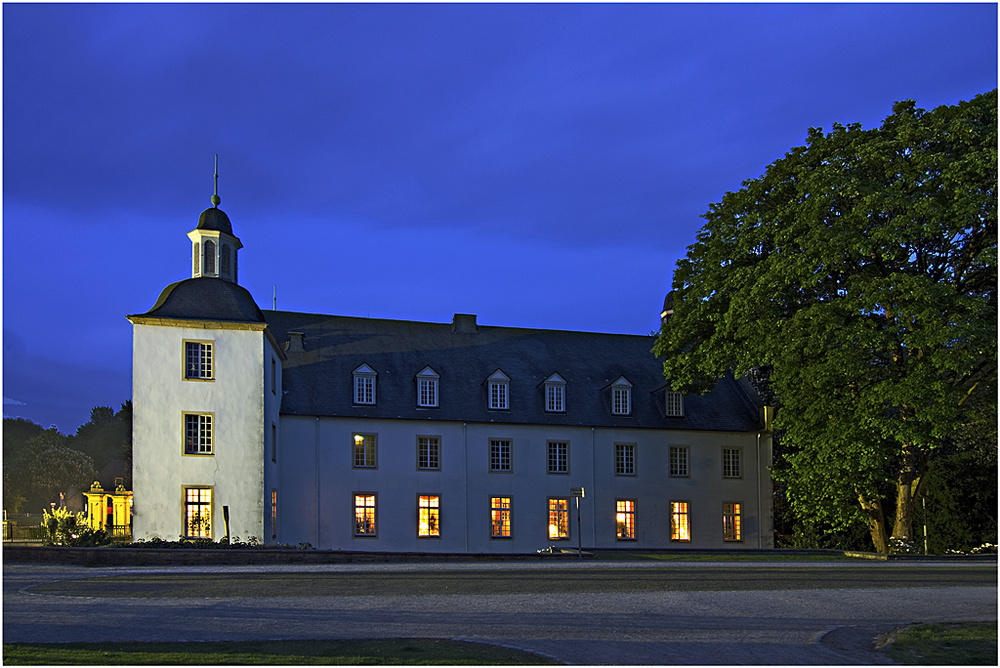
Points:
x=709, y=556
x=472, y=583
x=391, y=652
x=945, y=644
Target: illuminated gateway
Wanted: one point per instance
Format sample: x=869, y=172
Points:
x=382, y=435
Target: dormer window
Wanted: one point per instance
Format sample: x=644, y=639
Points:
x=499, y=384
x=427, y=388
x=674, y=404
x=364, y=385
x=621, y=397
x=555, y=394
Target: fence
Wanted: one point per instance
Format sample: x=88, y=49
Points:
x=13, y=533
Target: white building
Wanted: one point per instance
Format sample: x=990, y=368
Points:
x=382, y=435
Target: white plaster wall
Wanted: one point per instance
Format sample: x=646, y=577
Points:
x=318, y=456
x=160, y=396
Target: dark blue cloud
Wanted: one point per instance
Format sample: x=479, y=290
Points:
x=572, y=146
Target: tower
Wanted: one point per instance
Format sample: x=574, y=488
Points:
x=205, y=374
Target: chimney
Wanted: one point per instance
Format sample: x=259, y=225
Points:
x=464, y=323
x=295, y=342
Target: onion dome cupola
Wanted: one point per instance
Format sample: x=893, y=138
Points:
x=213, y=244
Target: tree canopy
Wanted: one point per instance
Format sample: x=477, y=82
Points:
x=859, y=273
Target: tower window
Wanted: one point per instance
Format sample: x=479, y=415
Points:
x=209, y=257
x=224, y=260
x=198, y=360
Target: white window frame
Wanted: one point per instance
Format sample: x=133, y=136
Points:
x=673, y=404
x=201, y=441
x=621, y=397
x=364, y=385
x=428, y=453
x=559, y=524
x=501, y=509
x=365, y=523
x=428, y=516
x=199, y=360
x=499, y=391
x=555, y=394
x=364, y=452
x=501, y=454
x=680, y=521
x=625, y=508
x=205, y=526
x=732, y=522
x=427, y=388
x=680, y=461
x=732, y=463
x=557, y=457
x=625, y=464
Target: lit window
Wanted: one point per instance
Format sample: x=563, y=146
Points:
x=500, y=517
x=558, y=519
x=625, y=519
x=624, y=459
x=555, y=394
x=274, y=514
x=427, y=388
x=499, y=385
x=365, y=455
x=731, y=463
x=364, y=385
x=675, y=404
x=621, y=397
x=558, y=457
x=364, y=515
x=197, y=260
x=678, y=461
x=680, y=522
x=732, y=527
x=198, y=512
x=429, y=521
x=198, y=436
x=428, y=453
x=500, y=455
x=198, y=362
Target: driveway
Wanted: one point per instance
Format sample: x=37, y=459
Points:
x=642, y=613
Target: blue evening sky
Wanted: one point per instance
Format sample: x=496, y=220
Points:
x=537, y=165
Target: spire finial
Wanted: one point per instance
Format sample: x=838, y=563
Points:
x=215, y=198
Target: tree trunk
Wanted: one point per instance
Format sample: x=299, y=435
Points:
x=907, y=486
x=872, y=508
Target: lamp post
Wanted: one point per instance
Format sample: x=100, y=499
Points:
x=577, y=493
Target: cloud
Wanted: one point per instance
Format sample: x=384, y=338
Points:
x=7, y=401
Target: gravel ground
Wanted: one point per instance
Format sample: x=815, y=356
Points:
x=820, y=624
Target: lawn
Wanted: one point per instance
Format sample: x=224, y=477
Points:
x=945, y=644
x=393, y=652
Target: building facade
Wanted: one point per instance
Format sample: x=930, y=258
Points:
x=363, y=434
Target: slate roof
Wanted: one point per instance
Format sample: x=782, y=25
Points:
x=215, y=218
x=206, y=298
x=319, y=381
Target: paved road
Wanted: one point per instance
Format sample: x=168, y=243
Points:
x=795, y=626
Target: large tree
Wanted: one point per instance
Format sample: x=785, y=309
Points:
x=859, y=272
